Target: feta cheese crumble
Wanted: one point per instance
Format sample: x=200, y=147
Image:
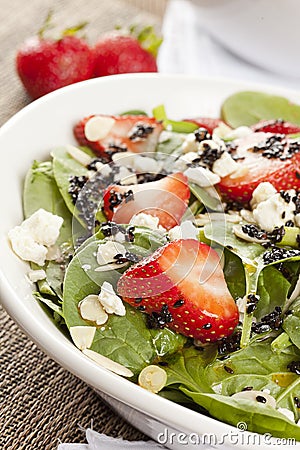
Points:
x=273, y=212
x=31, y=239
x=146, y=220
x=184, y=231
x=261, y=193
x=225, y=165
x=110, y=301
x=202, y=177
x=37, y=275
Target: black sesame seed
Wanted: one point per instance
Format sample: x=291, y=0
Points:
x=247, y=388
x=294, y=367
x=277, y=253
x=178, y=303
x=141, y=308
x=163, y=363
x=297, y=175
x=228, y=369
x=297, y=402
x=229, y=344
x=261, y=399
x=207, y=326
x=138, y=300
x=140, y=131
x=210, y=155
x=289, y=223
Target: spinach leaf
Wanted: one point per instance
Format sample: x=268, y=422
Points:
x=64, y=166
x=172, y=143
x=272, y=289
x=234, y=274
x=248, y=108
x=40, y=191
x=291, y=324
x=257, y=416
x=204, y=197
x=187, y=368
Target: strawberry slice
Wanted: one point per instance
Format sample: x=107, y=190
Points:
x=137, y=134
x=181, y=285
x=166, y=199
x=263, y=157
x=276, y=126
x=206, y=122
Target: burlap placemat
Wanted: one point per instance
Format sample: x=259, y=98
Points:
x=40, y=403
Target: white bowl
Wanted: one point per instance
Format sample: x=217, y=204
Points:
x=30, y=135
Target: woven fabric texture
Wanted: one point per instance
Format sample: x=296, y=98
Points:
x=40, y=403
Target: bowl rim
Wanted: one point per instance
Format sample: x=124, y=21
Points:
x=64, y=352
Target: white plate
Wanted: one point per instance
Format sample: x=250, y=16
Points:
x=30, y=135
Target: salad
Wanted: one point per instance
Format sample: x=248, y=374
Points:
x=169, y=252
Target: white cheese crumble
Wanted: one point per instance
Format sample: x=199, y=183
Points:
x=226, y=133
x=273, y=212
x=261, y=193
x=31, y=239
x=106, y=252
x=202, y=177
x=82, y=336
x=190, y=144
x=91, y=309
x=184, y=231
x=123, y=158
x=110, y=301
x=225, y=165
x=36, y=275
x=145, y=164
x=98, y=127
x=146, y=220
x=43, y=226
x=182, y=162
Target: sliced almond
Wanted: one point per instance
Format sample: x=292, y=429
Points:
x=91, y=309
x=152, y=378
x=82, y=336
x=107, y=363
x=98, y=127
x=79, y=155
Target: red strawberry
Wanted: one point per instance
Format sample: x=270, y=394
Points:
x=206, y=122
x=122, y=54
x=44, y=65
x=182, y=285
x=283, y=172
x=166, y=199
x=137, y=134
x=276, y=126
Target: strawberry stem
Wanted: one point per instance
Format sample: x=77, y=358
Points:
x=46, y=25
x=73, y=30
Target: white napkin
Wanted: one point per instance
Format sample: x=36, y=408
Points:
x=97, y=441
x=189, y=49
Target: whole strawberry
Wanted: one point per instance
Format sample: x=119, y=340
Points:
x=45, y=65
x=118, y=53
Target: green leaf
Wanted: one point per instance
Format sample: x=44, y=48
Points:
x=212, y=203
x=272, y=289
x=187, y=368
x=64, y=166
x=234, y=274
x=40, y=191
x=181, y=126
x=291, y=324
x=258, y=417
x=249, y=107
x=134, y=112
x=170, y=145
